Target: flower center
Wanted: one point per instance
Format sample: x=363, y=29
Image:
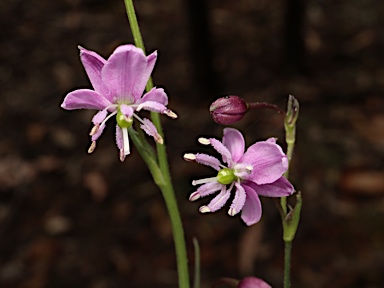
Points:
x=226, y=176
x=123, y=121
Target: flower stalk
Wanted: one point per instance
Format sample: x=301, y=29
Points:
x=160, y=169
x=290, y=219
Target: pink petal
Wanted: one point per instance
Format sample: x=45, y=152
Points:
x=99, y=117
x=238, y=201
x=119, y=138
x=268, y=161
x=234, y=141
x=126, y=110
x=127, y=71
x=98, y=132
x=155, y=95
x=152, y=106
x=251, y=212
x=84, y=99
x=224, y=152
x=219, y=201
x=93, y=64
x=207, y=189
x=280, y=188
x=253, y=282
x=149, y=128
x=208, y=160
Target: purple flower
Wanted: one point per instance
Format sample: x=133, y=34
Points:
x=253, y=282
x=256, y=172
x=118, y=84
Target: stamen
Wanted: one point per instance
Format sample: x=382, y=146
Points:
x=170, y=113
x=194, y=196
x=92, y=147
x=122, y=156
x=158, y=138
x=189, y=157
x=203, y=181
x=204, y=209
x=204, y=141
x=232, y=212
x=94, y=130
x=125, y=141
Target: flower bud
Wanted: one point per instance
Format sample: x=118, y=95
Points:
x=228, y=110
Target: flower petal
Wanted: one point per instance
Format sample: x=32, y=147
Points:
x=208, y=160
x=85, y=99
x=155, y=95
x=127, y=71
x=98, y=133
x=280, y=188
x=126, y=110
x=119, y=138
x=224, y=152
x=99, y=117
x=268, y=160
x=152, y=106
x=251, y=212
x=93, y=64
x=205, y=190
x=234, y=141
x=151, y=130
x=219, y=201
x=238, y=201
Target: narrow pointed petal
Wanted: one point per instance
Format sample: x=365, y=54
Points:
x=280, y=188
x=98, y=132
x=251, y=212
x=85, y=99
x=219, y=201
x=224, y=152
x=151, y=130
x=234, y=141
x=155, y=95
x=268, y=160
x=93, y=64
x=238, y=201
x=99, y=117
x=125, y=71
x=208, y=160
x=152, y=106
x=205, y=190
x=119, y=138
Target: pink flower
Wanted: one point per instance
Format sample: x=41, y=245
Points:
x=253, y=282
x=258, y=171
x=118, y=84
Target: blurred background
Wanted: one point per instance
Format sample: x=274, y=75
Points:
x=69, y=219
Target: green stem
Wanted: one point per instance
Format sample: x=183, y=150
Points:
x=165, y=183
x=287, y=264
x=290, y=219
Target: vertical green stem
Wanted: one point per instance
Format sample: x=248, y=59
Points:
x=290, y=219
x=287, y=264
x=165, y=184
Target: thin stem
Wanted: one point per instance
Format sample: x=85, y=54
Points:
x=196, y=280
x=165, y=184
x=256, y=105
x=287, y=264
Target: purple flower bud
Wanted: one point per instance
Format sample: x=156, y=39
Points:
x=228, y=110
x=253, y=282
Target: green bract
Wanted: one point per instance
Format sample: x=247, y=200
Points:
x=226, y=176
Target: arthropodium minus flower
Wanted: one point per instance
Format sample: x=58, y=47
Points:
x=119, y=83
x=256, y=172
x=228, y=109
